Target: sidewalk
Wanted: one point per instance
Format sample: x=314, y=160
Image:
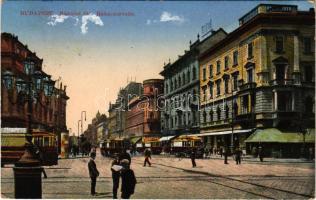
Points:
x=249, y=158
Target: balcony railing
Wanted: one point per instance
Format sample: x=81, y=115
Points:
x=282, y=82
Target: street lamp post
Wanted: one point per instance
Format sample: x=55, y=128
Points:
x=79, y=121
x=28, y=170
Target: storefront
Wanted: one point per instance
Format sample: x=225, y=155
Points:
x=276, y=143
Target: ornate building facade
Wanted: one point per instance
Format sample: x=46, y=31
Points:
x=182, y=86
x=48, y=109
x=260, y=76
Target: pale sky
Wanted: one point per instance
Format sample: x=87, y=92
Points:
x=95, y=55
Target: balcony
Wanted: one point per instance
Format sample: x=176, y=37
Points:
x=248, y=86
x=281, y=82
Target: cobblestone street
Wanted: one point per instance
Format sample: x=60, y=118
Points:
x=175, y=178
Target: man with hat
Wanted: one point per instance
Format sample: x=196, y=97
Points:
x=115, y=175
x=93, y=172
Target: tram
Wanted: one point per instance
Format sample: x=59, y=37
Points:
x=113, y=146
x=183, y=145
x=13, y=145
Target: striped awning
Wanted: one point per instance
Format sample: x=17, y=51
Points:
x=222, y=132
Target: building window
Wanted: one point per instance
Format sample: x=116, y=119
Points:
x=211, y=91
x=28, y=67
x=204, y=94
x=309, y=106
x=204, y=74
x=218, y=111
x=188, y=76
x=250, y=50
x=235, y=82
x=183, y=79
x=175, y=83
x=235, y=58
x=279, y=44
x=204, y=117
x=179, y=82
x=226, y=85
x=194, y=74
x=280, y=72
x=245, y=104
x=226, y=62
x=211, y=115
x=218, y=67
x=235, y=109
x=227, y=111
x=307, y=45
x=211, y=71
x=250, y=75
x=284, y=101
x=218, y=87
x=308, y=73
x=171, y=87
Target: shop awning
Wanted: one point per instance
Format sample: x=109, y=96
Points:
x=150, y=139
x=134, y=140
x=222, y=132
x=274, y=135
x=166, y=138
x=188, y=138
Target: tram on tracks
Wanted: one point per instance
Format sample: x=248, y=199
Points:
x=183, y=146
x=13, y=145
x=113, y=146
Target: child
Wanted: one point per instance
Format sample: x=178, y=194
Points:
x=128, y=180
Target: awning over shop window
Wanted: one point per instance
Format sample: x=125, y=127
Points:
x=134, y=140
x=222, y=132
x=150, y=139
x=166, y=138
x=274, y=135
x=184, y=138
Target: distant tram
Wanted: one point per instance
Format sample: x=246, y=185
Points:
x=112, y=146
x=13, y=142
x=183, y=145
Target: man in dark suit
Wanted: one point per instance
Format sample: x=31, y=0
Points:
x=93, y=172
x=128, y=180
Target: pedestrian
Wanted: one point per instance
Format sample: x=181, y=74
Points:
x=128, y=180
x=115, y=168
x=192, y=156
x=93, y=172
x=225, y=155
x=125, y=155
x=238, y=153
x=147, y=154
x=260, y=153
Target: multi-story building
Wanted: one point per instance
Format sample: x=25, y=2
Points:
x=260, y=76
x=118, y=110
x=48, y=110
x=143, y=113
x=182, y=86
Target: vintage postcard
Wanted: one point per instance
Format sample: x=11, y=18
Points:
x=157, y=99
